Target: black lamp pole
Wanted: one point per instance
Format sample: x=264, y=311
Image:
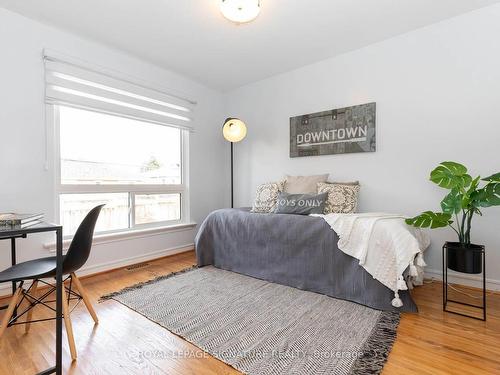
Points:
x=234, y=130
x=232, y=184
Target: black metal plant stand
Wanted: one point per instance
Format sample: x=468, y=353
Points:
x=482, y=307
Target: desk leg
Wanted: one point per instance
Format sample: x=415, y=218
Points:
x=13, y=261
x=59, y=286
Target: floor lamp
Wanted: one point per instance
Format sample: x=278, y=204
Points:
x=233, y=130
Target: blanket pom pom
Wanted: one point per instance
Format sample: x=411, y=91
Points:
x=401, y=283
x=420, y=260
x=413, y=271
x=396, y=302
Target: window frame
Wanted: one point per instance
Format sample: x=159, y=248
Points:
x=53, y=118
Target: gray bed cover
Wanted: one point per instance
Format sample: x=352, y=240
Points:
x=299, y=251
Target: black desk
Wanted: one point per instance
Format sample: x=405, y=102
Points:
x=14, y=232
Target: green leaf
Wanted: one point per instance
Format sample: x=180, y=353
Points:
x=449, y=174
x=452, y=203
x=493, y=178
x=466, y=198
x=429, y=219
x=487, y=196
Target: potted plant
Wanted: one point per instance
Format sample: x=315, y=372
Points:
x=465, y=199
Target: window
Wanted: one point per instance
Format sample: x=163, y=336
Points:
x=134, y=167
x=119, y=142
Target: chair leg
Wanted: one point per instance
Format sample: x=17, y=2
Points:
x=29, y=315
x=10, y=310
x=69, y=326
x=85, y=297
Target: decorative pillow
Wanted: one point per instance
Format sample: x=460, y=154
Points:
x=266, y=197
x=301, y=204
x=342, y=197
x=303, y=184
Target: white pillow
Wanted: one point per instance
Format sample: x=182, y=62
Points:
x=303, y=184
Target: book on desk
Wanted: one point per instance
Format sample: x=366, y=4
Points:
x=11, y=219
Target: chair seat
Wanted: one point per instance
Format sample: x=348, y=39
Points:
x=32, y=269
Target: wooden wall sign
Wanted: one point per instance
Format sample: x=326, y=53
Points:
x=339, y=131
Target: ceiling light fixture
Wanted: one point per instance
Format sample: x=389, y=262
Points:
x=240, y=11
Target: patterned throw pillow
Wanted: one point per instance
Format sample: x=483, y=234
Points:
x=342, y=197
x=266, y=197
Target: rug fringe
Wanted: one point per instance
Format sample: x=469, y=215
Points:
x=144, y=283
x=378, y=346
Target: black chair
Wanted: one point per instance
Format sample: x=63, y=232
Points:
x=38, y=269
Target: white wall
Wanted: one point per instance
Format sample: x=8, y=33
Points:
x=25, y=186
x=437, y=93
x=437, y=96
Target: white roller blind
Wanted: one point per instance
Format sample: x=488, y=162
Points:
x=69, y=83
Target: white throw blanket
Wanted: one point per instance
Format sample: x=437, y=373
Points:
x=384, y=245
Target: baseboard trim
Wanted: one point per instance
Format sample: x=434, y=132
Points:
x=463, y=279
x=108, y=266
x=5, y=289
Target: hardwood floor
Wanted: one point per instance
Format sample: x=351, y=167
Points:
x=124, y=342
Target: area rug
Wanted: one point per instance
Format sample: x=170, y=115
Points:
x=259, y=327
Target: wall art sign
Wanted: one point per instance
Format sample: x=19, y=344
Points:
x=339, y=131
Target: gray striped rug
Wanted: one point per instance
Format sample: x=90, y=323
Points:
x=259, y=327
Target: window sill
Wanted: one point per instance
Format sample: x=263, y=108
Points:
x=127, y=235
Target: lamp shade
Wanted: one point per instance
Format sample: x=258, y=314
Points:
x=234, y=130
x=240, y=11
